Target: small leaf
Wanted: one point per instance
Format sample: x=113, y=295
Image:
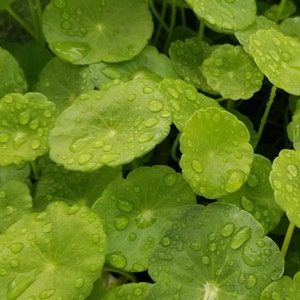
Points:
x=293, y=128
x=85, y=32
x=231, y=72
x=137, y=210
x=25, y=123
x=284, y=289
x=277, y=56
x=216, y=154
x=229, y=15
x=110, y=127
x=214, y=252
x=41, y=255
x=284, y=179
x=291, y=27
x=12, y=76
x=184, y=100
x=187, y=58
x=256, y=196
x=62, y=89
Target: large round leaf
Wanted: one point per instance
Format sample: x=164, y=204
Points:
x=12, y=76
x=257, y=196
x=85, y=32
x=284, y=179
x=110, y=127
x=43, y=257
x=277, y=56
x=137, y=210
x=225, y=15
x=25, y=121
x=230, y=71
x=216, y=154
x=215, y=252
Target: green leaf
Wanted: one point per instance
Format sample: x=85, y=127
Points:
x=25, y=123
x=136, y=211
x=225, y=15
x=291, y=27
x=12, y=76
x=215, y=252
x=85, y=32
x=55, y=183
x=256, y=196
x=216, y=154
x=19, y=172
x=284, y=179
x=187, y=58
x=149, y=64
x=284, y=289
x=110, y=127
x=43, y=257
x=288, y=9
x=277, y=56
x=184, y=100
x=5, y=3
x=293, y=128
x=15, y=200
x=62, y=89
x=230, y=71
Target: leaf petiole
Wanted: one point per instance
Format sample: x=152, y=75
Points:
x=287, y=239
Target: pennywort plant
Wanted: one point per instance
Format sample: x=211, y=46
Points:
x=149, y=149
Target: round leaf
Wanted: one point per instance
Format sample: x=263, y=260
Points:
x=25, y=121
x=184, y=100
x=284, y=179
x=12, y=76
x=85, y=32
x=257, y=196
x=62, y=89
x=215, y=252
x=230, y=71
x=225, y=15
x=137, y=210
x=277, y=56
x=110, y=127
x=216, y=154
x=42, y=257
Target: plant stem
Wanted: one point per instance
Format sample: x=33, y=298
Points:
x=201, y=29
x=265, y=115
x=20, y=21
x=280, y=9
x=287, y=239
x=34, y=170
x=36, y=16
x=174, y=148
x=171, y=25
x=160, y=19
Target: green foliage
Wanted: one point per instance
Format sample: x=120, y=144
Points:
x=131, y=166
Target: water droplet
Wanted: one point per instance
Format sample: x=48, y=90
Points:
x=170, y=179
x=148, y=90
x=173, y=92
x=252, y=258
x=66, y=25
x=137, y=292
x=24, y=117
x=251, y=281
x=125, y=205
x=145, y=219
x=277, y=184
x=132, y=236
x=166, y=241
x=156, y=105
x=3, y=272
x=235, y=180
x=35, y=144
x=248, y=75
x=276, y=41
x=46, y=294
x=108, y=158
x=111, y=72
x=96, y=238
x=4, y=137
x=247, y=204
x=107, y=148
x=228, y=229
x=34, y=124
x=98, y=144
x=79, y=283
x=197, y=166
x=212, y=247
x=14, y=263
x=240, y=238
x=219, y=62
x=205, y=260
x=151, y=122
x=275, y=55
x=286, y=56
x=47, y=228
x=59, y=3
x=117, y=259
x=84, y=158
x=121, y=222
x=293, y=170
x=196, y=246
x=16, y=247
x=146, y=137
x=252, y=180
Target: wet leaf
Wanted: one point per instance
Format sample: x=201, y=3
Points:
x=225, y=15
x=110, y=127
x=256, y=196
x=18, y=172
x=136, y=211
x=43, y=257
x=25, y=121
x=85, y=32
x=230, y=71
x=216, y=154
x=293, y=128
x=284, y=179
x=277, y=56
x=215, y=252
x=291, y=27
x=12, y=76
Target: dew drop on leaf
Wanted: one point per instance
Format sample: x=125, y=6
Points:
x=247, y=204
x=235, y=181
x=4, y=137
x=228, y=229
x=16, y=247
x=125, y=205
x=155, y=106
x=132, y=236
x=59, y=3
x=35, y=144
x=205, y=260
x=47, y=228
x=293, y=170
x=146, y=137
x=251, y=258
x=24, y=117
x=170, y=179
x=46, y=294
x=240, y=238
x=79, y=283
x=251, y=281
x=121, y=222
x=84, y=158
x=117, y=259
x=166, y=241
x=151, y=122
x=197, y=166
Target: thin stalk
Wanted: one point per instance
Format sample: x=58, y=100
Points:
x=20, y=21
x=156, y=14
x=34, y=170
x=201, y=29
x=174, y=148
x=125, y=277
x=36, y=16
x=287, y=239
x=183, y=18
x=171, y=25
x=265, y=115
